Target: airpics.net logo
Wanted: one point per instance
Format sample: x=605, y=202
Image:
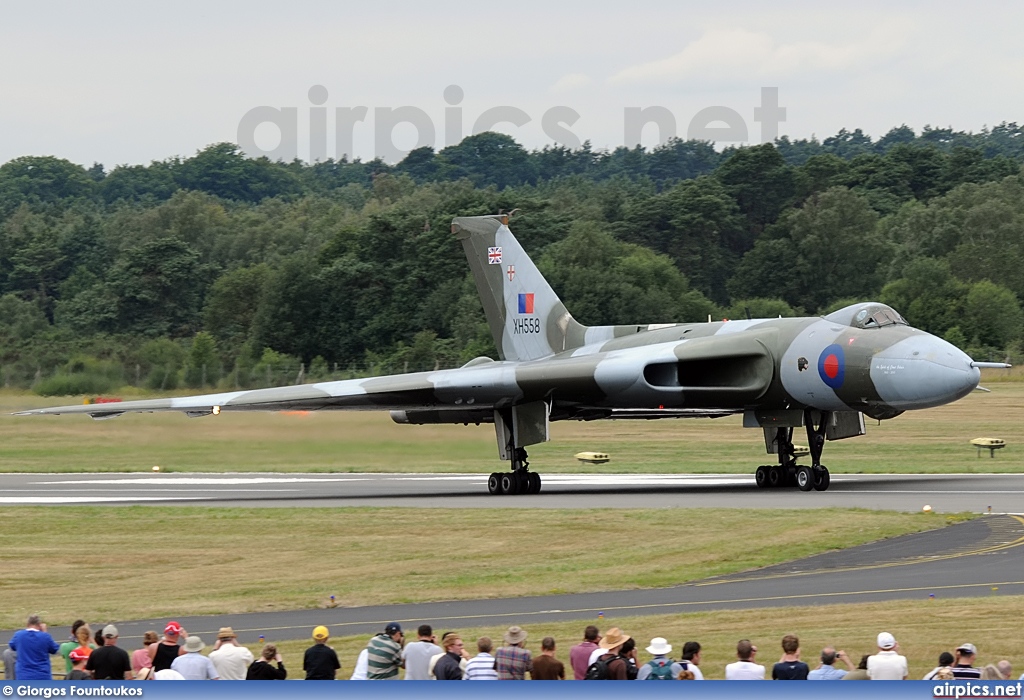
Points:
x=274, y=131
x=961, y=690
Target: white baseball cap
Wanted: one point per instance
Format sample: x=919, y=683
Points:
x=886, y=640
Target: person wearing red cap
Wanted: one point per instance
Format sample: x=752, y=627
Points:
x=78, y=656
x=164, y=652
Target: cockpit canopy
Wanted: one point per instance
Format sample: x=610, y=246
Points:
x=869, y=314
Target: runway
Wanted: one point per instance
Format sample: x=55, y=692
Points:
x=996, y=493
x=981, y=557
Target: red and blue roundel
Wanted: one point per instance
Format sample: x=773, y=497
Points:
x=832, y=366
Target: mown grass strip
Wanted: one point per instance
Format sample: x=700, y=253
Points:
x=142, y=562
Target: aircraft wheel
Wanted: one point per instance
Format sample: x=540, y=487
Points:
x=821, y=478
x=509, y=485
x=761, y=477
x=494, y=484
x=775, y=476
x=804, y=478
x=533, y=479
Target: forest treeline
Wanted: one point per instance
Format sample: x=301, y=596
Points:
x=221, y=270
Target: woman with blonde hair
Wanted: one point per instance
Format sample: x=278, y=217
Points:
x=81, y=636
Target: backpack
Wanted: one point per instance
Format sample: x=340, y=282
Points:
x=661, y=670
x=598, y=671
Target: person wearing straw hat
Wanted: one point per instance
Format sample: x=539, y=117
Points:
x=192, y=664
x=609, y=652
x=229, y=657
x=513, y=661
x=660, y=667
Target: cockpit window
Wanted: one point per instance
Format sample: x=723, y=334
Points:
x=870, y=315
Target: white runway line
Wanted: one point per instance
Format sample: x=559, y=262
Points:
x=71, y=500
x=196, y=480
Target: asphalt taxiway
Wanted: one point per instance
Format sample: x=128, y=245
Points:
x=995, y=493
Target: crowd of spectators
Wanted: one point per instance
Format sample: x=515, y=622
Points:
x=613, y=655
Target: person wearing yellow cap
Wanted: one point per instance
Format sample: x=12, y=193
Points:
x=320, y=662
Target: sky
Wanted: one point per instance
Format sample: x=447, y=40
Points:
x=127, y=83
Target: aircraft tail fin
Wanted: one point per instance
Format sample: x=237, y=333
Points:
x=526, y=317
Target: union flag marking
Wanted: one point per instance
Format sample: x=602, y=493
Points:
x=494, y=255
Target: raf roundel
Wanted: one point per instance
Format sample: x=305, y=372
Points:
x=832, y=366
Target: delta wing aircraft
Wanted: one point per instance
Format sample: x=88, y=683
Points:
x=822, y=374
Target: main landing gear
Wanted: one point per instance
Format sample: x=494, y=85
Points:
x=519, y=480
x=787, y=472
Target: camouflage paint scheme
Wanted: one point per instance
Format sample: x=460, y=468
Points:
x=821, y=373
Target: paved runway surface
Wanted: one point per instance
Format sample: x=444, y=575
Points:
x=968, y=559
x=1004, y=493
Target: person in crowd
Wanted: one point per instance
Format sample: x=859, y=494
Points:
x=110, y=662
x=827, y=671
x=34, y=646
x=628, y=652
x=79, y=630
x=448, y=667
x=481, y=666
x=546, y=667
x=384, y=654
x=79, y=656
x=320, y=661
x=192, y=664
x=861, y=672
x=230, y=658
x=416, y=655
x=744, y=668
x=691, y=660
x=790, y=667
x=991, y=673
x=660, y=667
x=140, y=657
x=164, y=652
x=611, y=653
x=98, y=639
x=513, y=661
x=579, y=655
x=945, y=661
x=362, y=666
x=964, y=667
x=887, y=664
x=10, y=662
x=263, y=669
x=1005, y=668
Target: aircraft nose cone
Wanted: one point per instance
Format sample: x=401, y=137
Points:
x=921, y=372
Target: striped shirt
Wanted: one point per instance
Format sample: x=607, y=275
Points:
x=383, y=657
x=512, y=663
x=481, y=668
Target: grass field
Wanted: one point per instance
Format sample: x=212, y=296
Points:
x=118, y=563
x=918, y=442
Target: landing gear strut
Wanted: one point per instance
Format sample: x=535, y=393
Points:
x=787, y=472
x=519, y=480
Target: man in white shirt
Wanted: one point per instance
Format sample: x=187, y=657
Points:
x=887, y=665
x=744, y=669
x=230, y=658
x=417, y=654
